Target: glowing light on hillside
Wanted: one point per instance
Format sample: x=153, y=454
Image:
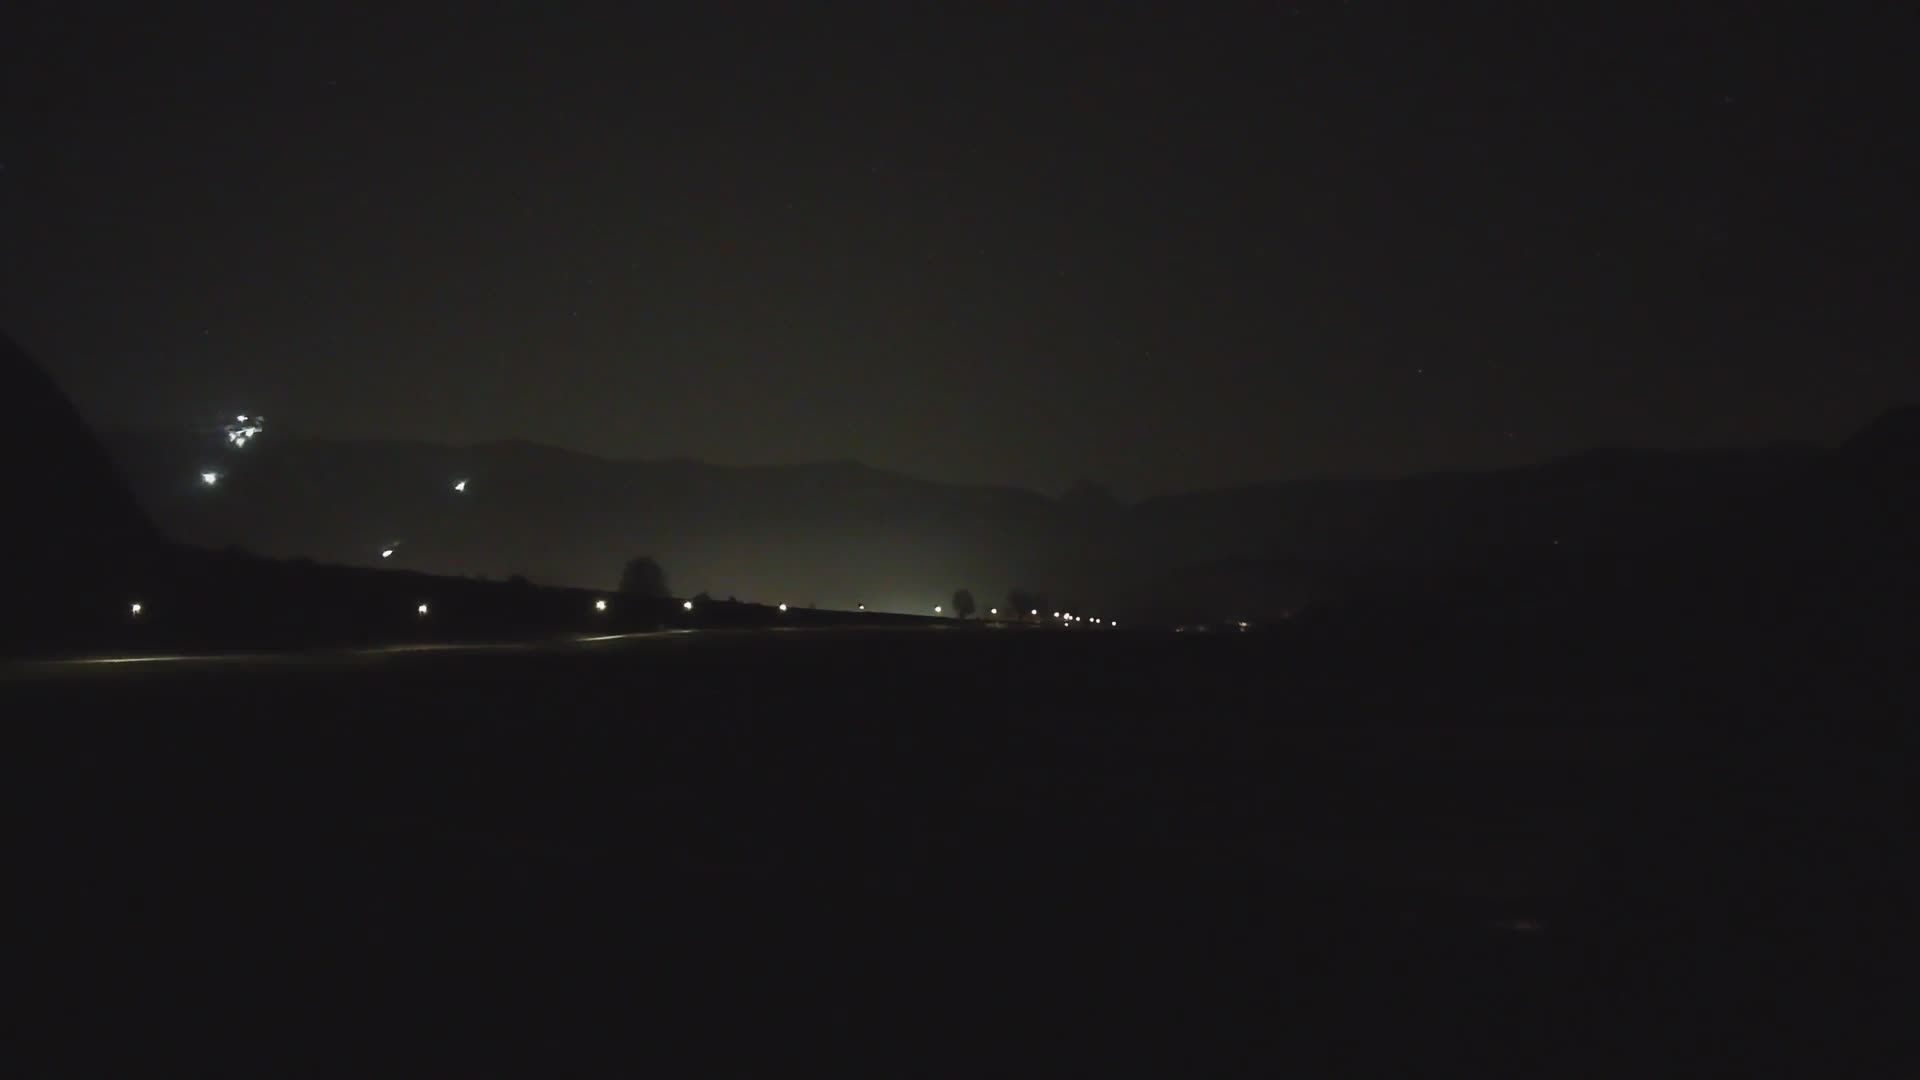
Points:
x=209, y=478
x=599, y=605
x=686, y=605
x=783, y=607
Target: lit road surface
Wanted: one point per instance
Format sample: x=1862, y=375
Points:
x=21, y=670
x=361, y=656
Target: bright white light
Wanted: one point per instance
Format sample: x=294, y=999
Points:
x=386, y=553
x=209, y=478
x=244, y=428
x=599, y=605
x=863, y=607
x=1056, y=614
x=936, y=609
x=134, y=608
x=993, y=611
x=459, y=485
x=687, y=605
x=422, y=609
x=783, y=607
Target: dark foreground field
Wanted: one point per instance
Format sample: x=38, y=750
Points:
x=926, y=853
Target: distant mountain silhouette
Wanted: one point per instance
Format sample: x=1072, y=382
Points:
x=1089, y=496
x=1892, y=439
x=843, y=533
x=76, y=533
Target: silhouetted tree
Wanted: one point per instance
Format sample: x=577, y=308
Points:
x=1020, y=603
x=963, y=603
x=643, y=577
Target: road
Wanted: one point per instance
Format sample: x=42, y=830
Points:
x=93, y=665
x=871, y=828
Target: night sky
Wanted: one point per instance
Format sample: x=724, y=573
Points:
x=1163, y=253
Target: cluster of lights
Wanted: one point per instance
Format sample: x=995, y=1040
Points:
x=244, y=429
x=1070, y=617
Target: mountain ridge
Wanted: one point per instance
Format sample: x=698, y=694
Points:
x=840, y=532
